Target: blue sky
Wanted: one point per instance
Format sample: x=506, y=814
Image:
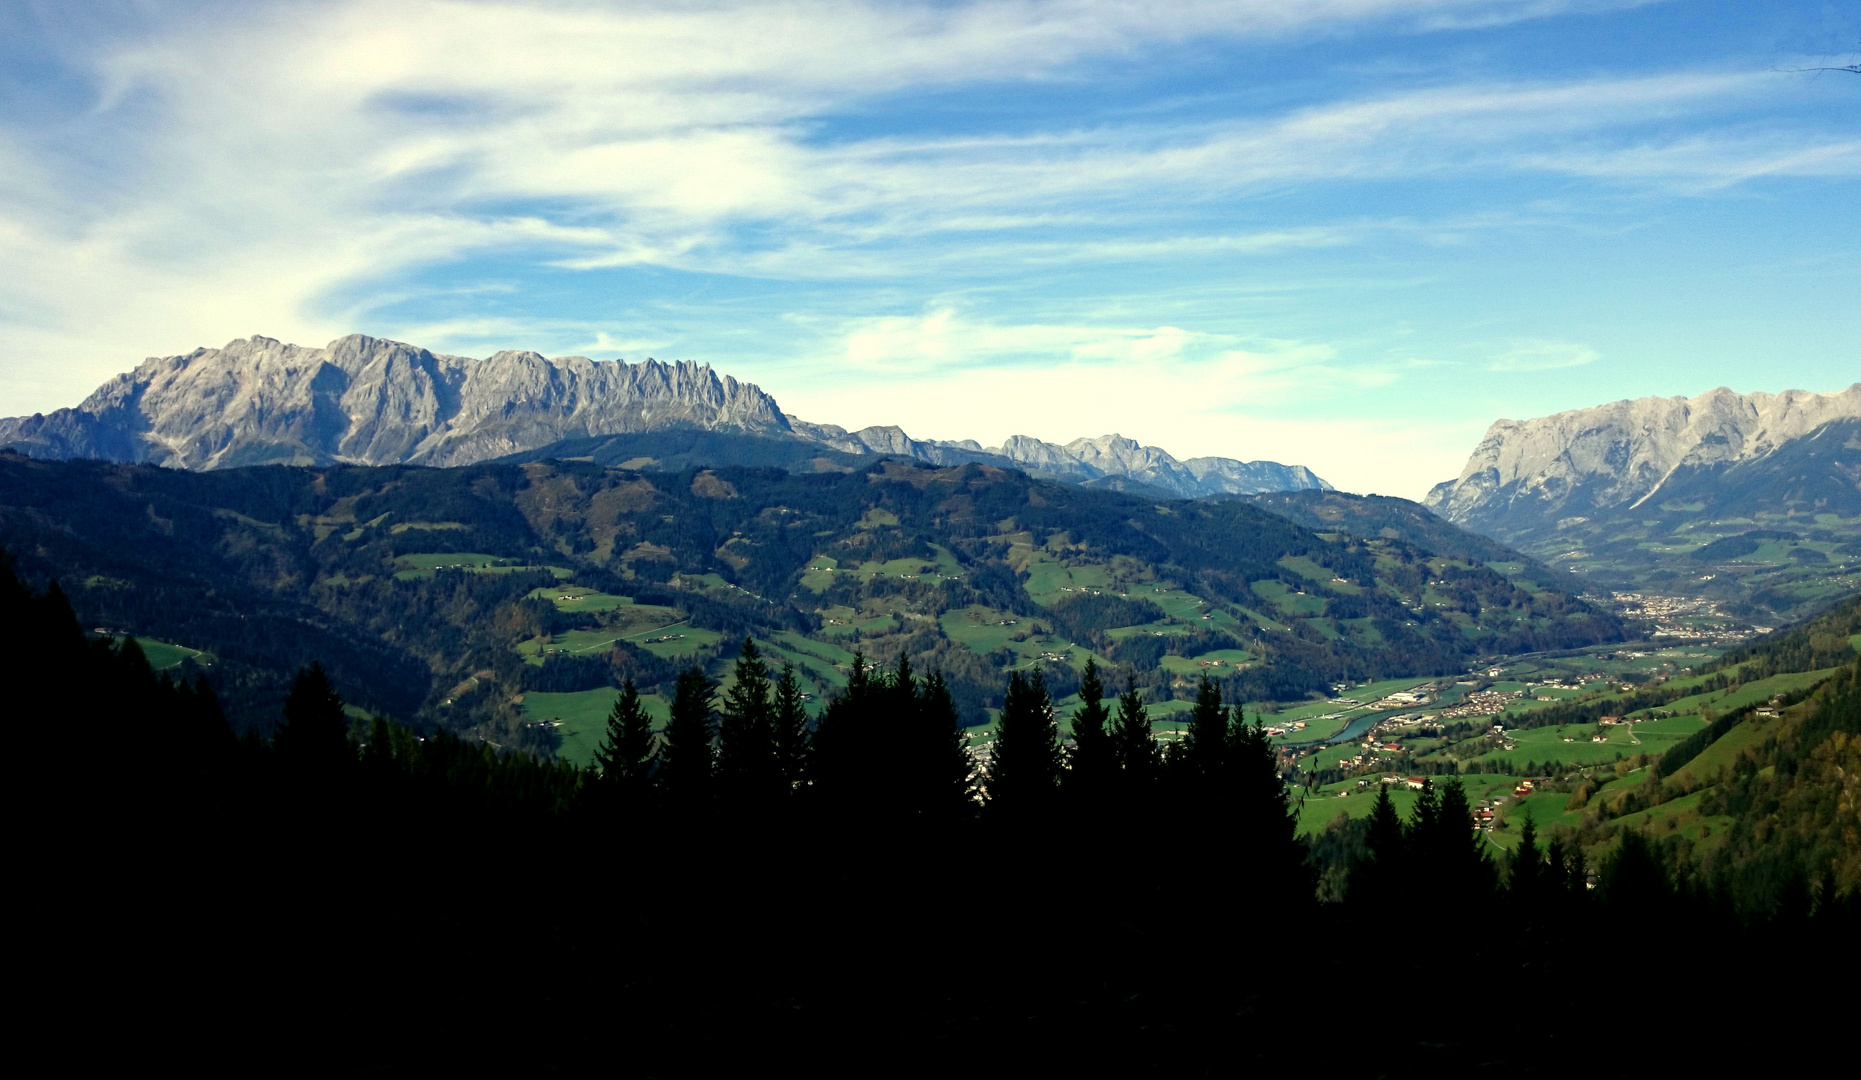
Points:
x=1343, y=233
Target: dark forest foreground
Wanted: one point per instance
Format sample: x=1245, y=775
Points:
x=721, y=899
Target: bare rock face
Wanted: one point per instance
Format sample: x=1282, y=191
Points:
x=372, y=402
x=1626, y=455
x=366, y=401
x=1114, y=458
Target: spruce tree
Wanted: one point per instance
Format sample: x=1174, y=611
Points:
x=1261, y=818
x=1526, y=868
x=749, y=773
x=789, y=720
x=1206, y=742
x=1093, y=757
x=940, y=763
x=1377, y=875
x=1025, y=763
x=837, y=762
x=314, y=735
x=1457, y=863
x=1134, y=743
x=686, y=766
x=625, y=755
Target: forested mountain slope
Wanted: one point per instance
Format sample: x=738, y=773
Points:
x=1387, y=517
x=441, y=595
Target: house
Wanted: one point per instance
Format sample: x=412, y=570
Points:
x=1609, y=721
x=1416, y=782
x=1391, y=779
x=1392, y=747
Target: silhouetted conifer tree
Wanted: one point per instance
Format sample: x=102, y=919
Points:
x=939, y=755
x=1094, y=759
x=1375, y=879
x=789, y=721
x=1205, y=744
x=686, y=765
x=838, y=757
x=626, y=753
x=1134, y=745
x=1024, y=764
x=1525, y=873
x=749, y=772
x=314, y=734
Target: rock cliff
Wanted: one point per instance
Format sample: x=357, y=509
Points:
x=1640, y=454
x=367, y=401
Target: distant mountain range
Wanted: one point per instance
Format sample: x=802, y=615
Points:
x=1742, y=454
x=1750, y=501
x=368, y=401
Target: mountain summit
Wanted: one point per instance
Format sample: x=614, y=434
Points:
x=368, y=401
x=1646, y=453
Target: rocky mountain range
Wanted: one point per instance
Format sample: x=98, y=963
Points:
x=1107, y=461
x=368, y=401
x=1794, y=452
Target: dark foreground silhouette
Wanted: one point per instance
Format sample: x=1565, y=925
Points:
x=745, y=890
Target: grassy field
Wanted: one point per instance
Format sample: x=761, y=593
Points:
x=1325, y=804
x=578, y=598
x=582, y=718
x=428, y=564
x=1572, y=743
x=674, y=641
x=1751, y=693
x=1049, y=577
x=1217, y=663
x=1725, y=751
x=1289, y=602
x=163, y=654
x=982, y=630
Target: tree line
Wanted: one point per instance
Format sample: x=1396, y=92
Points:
x=744, y=881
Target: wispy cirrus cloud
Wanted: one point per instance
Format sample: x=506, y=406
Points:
x=1543, y=356
x=303, y=169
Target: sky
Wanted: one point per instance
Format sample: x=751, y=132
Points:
x=1347, y=234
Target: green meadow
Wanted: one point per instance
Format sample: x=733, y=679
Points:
x=581, y=718
x=425, y=565
x=579, y=598
x=162, y=655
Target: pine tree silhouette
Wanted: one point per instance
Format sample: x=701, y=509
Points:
x=314, y=735
x=1093, y=762
x=749, y=771
x=789, y=723
x=687, y=768
x=1205, y=744
x=1134, y=745
x=626, y=753
x=1025, y=762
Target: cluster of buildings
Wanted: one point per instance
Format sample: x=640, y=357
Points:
x=1682, y=617
x=1482, y=703
x=1486, y=809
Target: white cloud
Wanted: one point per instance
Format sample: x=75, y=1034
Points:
x=1230, y=404
x=262, y=162
x=1543, y=356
